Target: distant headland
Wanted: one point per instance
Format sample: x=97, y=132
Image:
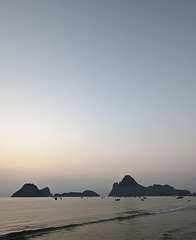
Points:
x=128, y=187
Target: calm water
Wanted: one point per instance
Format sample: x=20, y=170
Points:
x=97, y=218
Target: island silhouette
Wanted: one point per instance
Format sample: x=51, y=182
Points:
x=128, y=187
x=31, y=190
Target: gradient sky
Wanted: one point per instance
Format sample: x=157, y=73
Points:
x=93, y=90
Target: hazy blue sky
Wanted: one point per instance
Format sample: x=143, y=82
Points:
x=91, y=90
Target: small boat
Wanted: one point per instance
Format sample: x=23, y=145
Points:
x=179, y=197
x=117, y=199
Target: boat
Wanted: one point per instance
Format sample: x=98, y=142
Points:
x=117, y=199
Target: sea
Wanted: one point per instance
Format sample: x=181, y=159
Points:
x=98, y=218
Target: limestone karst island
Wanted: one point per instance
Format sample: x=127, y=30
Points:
x=128, y=187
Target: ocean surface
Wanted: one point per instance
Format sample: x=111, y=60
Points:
x=98, y=218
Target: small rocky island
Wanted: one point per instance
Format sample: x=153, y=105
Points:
x=31, y=190
x=87, y=193
x=128, y=187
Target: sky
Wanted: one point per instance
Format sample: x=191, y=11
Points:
x=92, y=90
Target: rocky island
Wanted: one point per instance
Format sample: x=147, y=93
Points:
x=31, y=190
x=86, y=193
x=128, y=187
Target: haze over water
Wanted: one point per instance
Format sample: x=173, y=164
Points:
x=93, y=90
